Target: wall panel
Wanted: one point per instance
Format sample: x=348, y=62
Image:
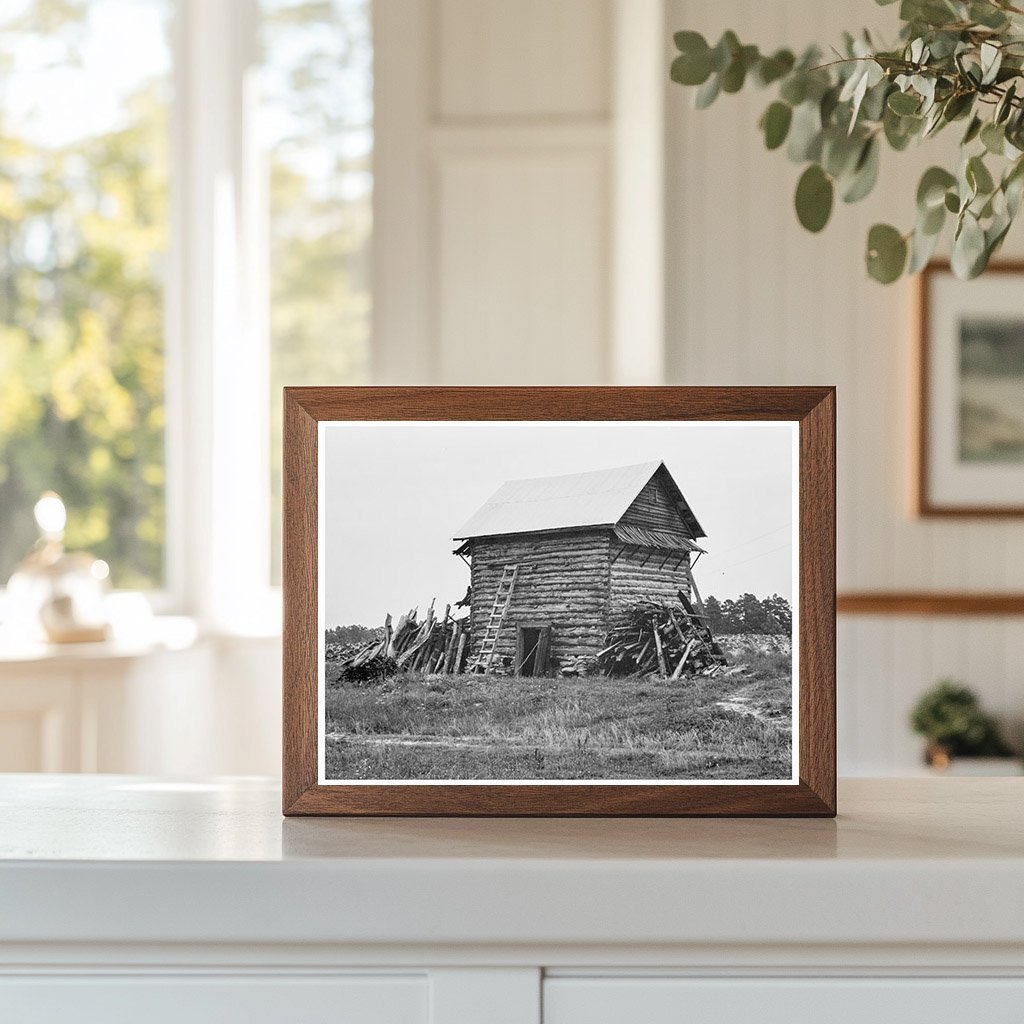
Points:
x=530, y=58
x=521, y=243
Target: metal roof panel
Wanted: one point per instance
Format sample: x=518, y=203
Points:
x=598, y=498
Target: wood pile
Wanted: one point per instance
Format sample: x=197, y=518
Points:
x=437, y=645
x=662, y=640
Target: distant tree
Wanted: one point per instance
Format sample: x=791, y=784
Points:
x=779, y=610
x=713, y=610
x=353, y=634
x=749, y=614
x=752, y=615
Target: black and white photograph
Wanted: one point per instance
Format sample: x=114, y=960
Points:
x=538, y=602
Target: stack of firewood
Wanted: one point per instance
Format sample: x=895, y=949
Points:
x=662, y=640
x=435, y=645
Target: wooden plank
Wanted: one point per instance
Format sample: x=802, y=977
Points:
x=462, y=648
x=682, y=661
x=661, y=653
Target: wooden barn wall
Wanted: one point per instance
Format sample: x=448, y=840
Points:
x=563, y=580
x=632, y=580
x=654, y=508
x=753, y=299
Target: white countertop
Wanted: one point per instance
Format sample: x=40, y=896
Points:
x=121, y=859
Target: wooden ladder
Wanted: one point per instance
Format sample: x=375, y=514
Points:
x=502, y=599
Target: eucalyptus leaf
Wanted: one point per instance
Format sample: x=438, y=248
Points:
x=735, y=74
x=1013, y=187
x=931, y=190
x=805, y=133
x=886, y=253
x=775, y=124
x=840, y=152
x=771, y=69
x=978, y=176
x=991, y=60
x=922, y=247
x=957, y=106
x=865, y=174
x=973, y=130
x=1005, y=104
x=814, y=195
x=933, y=122
x=873, y=106
x=691, y=70
x=987, y=15
x=904, y=103
x=900, y=130
x=707, y=93
x=724, y=51
x=794, y=88
x=968, y=248
x=932, y=221
x=993, y=138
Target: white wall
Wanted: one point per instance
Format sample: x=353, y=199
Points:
x=754, y=299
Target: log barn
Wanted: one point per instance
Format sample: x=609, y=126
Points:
x=555, y=561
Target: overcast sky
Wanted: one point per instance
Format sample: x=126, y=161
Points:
x=396, y=493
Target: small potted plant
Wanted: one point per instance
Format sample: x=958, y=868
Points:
x=950, y=718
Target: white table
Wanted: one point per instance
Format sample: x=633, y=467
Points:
x=197, y=902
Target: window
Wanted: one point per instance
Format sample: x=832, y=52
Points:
x=83, y=235
x=237, y=212
x=317, y=116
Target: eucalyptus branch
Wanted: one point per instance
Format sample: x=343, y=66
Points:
x=954, y=58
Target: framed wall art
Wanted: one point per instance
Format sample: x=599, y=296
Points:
x=970, y=444
x=559, y=601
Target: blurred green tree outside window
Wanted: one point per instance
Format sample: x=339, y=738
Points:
x=83, y=236
x=317, y=119
x=84, y=210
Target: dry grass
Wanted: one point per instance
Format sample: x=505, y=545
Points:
x=492, y=727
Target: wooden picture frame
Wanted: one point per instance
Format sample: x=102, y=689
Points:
x=811, y=409
x=926, y=502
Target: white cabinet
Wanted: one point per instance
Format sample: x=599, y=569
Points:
x=661, y=1000
x=127, y=899
x=203, y=999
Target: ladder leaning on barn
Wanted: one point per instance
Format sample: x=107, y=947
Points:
x=502, y=599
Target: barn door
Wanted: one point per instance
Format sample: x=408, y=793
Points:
x=533, y=647
x=543, y=651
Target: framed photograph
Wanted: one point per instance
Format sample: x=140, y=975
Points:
x=559, y=601
x=970, y=450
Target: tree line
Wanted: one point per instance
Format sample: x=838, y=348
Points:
x=749, y=614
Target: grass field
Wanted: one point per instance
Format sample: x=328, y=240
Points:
x=414, y=726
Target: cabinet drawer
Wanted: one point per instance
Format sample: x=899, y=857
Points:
x=782, y=1001
x=202, y=999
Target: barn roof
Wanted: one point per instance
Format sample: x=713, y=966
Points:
x=598, y=498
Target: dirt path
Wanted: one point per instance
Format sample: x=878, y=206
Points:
x=394, y=740
x=473, y=743
x=740, y=703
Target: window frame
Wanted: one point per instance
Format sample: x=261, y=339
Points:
x=217, y=351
